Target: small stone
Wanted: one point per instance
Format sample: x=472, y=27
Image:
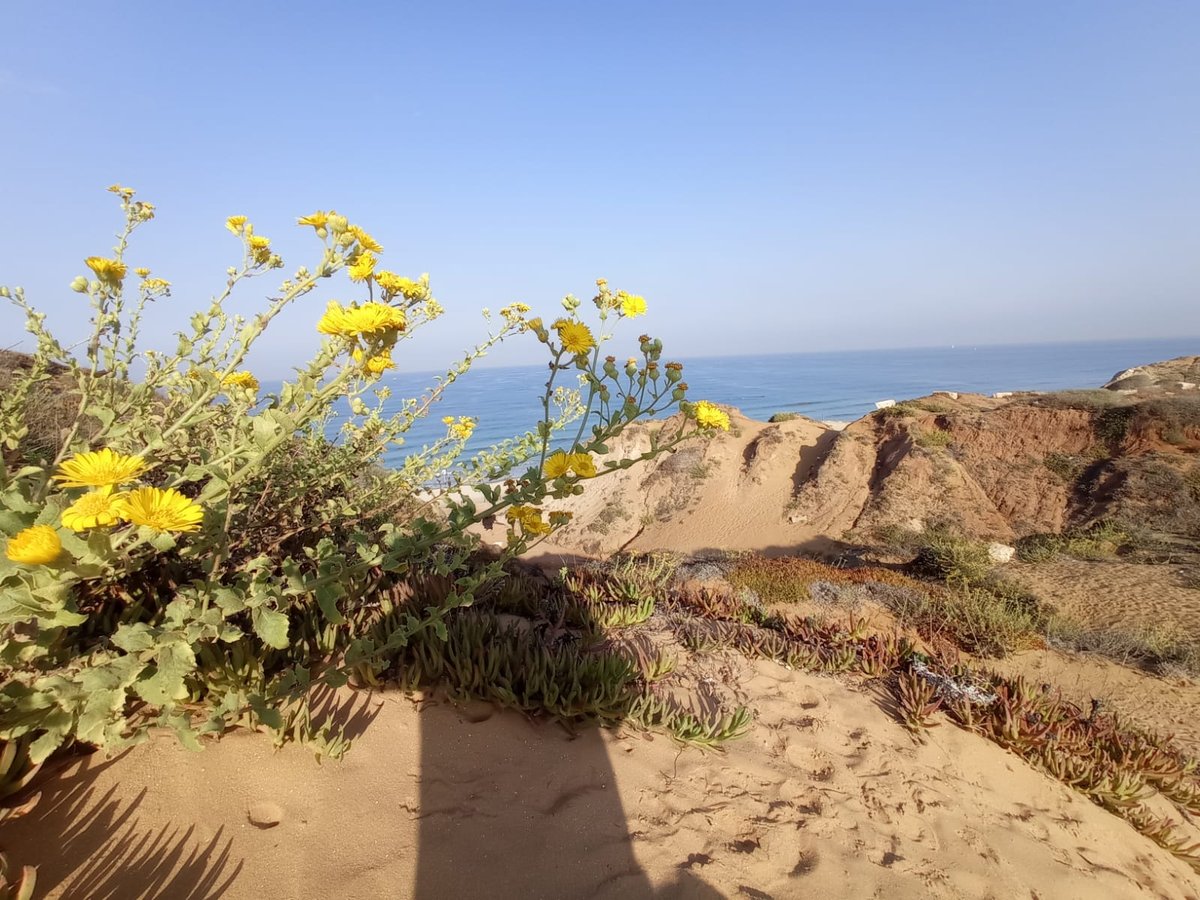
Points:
x=884, y=404
x=1001, y=553
x=264, y=814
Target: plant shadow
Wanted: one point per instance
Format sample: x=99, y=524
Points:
x=88, y=845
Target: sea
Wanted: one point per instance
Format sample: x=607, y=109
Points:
x=830, y=386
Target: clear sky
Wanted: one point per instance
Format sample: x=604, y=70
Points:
x=772, y=177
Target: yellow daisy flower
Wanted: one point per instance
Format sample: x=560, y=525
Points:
x=94, y=509
x=711, y=417
x=631, y=304
x=557, y=464
x=316, y=220
x=260, y=248
x=353, y=320
x=529, y=518
x=462, y=429
x=110, y=271
x=583, y=465
x=365, y=240
x=575, y=336
x=240, y=380
x=362, y=268
x=373, y=365
x=236, y=224
x=100, y=468
x=34, y=546
x=165, y=510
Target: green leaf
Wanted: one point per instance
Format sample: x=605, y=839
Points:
x=134, y=638
x=272, y=626
x=173, y=662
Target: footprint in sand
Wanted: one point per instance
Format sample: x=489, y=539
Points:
x=264, y=814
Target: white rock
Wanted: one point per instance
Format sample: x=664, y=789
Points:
x=953, y=395
x=1000, y=395
x=1187, y=385
x=1127, y=391
x=916, y=525
x=1001, y=553
x=884, y=404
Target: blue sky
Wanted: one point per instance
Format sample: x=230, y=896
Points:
x=772, y=177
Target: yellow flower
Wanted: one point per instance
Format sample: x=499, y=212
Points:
x=316, y=220
x=583, y=465
x=632, y=304
x=462, y=429
x=34, y=546
x=362, y=268
x=94, y=509
x=710, y=416
x=353, y=320
x=575, y=336
x=529, y=518
x=364, y=240
x=100, y=468
x=236, y=224
x=391, y=283
x=240, y=380
x=373, y=365
x=165, y=510
x=557, y=464
x=141, y=272
x=156, y=284
x=110, y=271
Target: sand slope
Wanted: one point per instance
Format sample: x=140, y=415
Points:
x=827, y=796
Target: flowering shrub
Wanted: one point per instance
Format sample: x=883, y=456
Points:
x=194, y=553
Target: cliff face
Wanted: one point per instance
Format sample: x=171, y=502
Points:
x=992, y=469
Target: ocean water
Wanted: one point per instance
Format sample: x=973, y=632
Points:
x=826, y=386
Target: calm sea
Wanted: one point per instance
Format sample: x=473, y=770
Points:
x=825, y=386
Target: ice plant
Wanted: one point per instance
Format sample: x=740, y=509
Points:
x=711, y=417
x=35, y=546
x=99, y=468
x=95, y=509
x=164, y=510
x=355, y=320
x=575, y=336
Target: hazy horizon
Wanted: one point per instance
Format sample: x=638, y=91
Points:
x=774, y=179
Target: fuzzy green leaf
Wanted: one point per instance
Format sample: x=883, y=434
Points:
x=271, y=625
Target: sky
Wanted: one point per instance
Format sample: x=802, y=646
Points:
x=772, y=177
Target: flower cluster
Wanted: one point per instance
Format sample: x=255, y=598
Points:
x=560, y=463
x=461, y=428
x=103, y=471
x=360, y=319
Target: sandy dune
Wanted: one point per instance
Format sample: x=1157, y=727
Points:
x=827, y=796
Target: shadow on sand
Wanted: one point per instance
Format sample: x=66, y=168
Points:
x=542, y=819
x=94, y=846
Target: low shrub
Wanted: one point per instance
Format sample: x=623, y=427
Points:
x=1101, y=541
x=933, y=439
x=956, y=560
x=783, y=417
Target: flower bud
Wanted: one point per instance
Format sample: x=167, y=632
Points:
x=678, y=394
x=79, y=285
